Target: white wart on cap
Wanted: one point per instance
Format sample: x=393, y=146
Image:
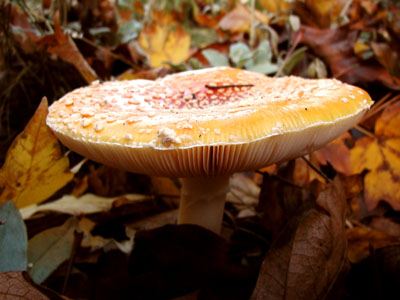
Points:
x=210, y=122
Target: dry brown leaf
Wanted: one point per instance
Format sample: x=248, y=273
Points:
x=320, y=13
x=19, y=286
x=65, y=48
x=335, y=47
x=165, y=41
x=238, y=20
x=303, y=174
x=381, y=157
x=35, y=167
x=310, y=253
x=86, y=204
x=386, y=225
x=361, y=239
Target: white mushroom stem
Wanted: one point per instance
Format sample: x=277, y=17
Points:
x=203, y=201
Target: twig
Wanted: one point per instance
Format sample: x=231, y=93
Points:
x=364, y=131
x=227, y=86
x=78, y=236
x=289, y=54
x=108, y=52
x=316, y=169
x=252, y=25
x=381, y=105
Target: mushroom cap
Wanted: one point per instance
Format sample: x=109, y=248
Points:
x=213, y=121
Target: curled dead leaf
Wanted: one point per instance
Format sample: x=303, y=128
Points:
x=310, y=253
x=63, y=46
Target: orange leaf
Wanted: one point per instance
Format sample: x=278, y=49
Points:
x=35, y=167
x=337, y=154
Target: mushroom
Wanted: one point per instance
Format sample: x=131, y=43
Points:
x=203, y=126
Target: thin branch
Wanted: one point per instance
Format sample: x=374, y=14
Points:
x=364, y=131
x=228, y=86
x=323, y=175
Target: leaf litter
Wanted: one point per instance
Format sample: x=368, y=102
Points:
x=286, y=227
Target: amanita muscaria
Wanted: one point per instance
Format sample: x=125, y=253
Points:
x=204, y=125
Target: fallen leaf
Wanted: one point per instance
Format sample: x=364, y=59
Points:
x=321, y=13
x=49, y=249
x=65, y=48
x=385, y=225
x=275, y=6
x=13, y=239
x=388, y=123
x=376, y=277
x=35, y=167
x=19, y=286
x=96, y=242
x=165, y=41
x=381, y=157
x=336, y=154
x=86, y=204
x=335, y=47
x=361, y=239
x=238, y=20
x=309, y=254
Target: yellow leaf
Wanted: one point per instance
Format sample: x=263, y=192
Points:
x=388, y=123
x=275, y=6
x=381, y=185
x=365, y=155
x=35, y=167
x=165, y=41
x=381, y=157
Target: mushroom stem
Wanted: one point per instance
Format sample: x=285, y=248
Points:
x=203, y=201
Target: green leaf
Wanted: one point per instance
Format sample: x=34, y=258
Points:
x=13, y=239
x=49, y=249
x=195, y=64
x=240, y=53
x=294, y=59
x=129, y=31
x=215, y=58
x=201, y=37
x=261, y=60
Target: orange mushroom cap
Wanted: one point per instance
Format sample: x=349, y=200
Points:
x=213, y=121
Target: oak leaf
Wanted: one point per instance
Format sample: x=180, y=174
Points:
x=381, y=157
x=34, y=167
x=165, y=41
